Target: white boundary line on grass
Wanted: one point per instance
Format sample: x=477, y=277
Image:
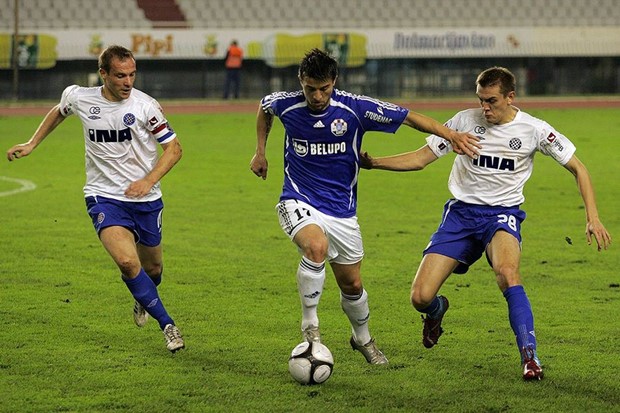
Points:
x=25, y=186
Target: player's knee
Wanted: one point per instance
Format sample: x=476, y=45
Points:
x=129, y=267
x=351, y=287
x=420, y=299
x=315, y=250
x=507, y=276
x=153, y=269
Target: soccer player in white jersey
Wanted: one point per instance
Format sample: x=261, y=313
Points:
x=484, y=214
x=317, y=209
x=122, y=128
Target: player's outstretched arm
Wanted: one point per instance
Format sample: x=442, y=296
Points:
x=463, y=143
x=48, y=124
x=409, y=161
x=259, y=164
x=594, y=226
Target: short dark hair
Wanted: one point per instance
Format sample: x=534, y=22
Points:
x=318, y=64
x=120, y=52
x=498, y=76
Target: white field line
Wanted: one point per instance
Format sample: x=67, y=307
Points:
x=24, y=185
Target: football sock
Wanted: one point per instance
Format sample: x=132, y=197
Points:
x=435, y=308
x=357, y=310
x=310, y=280
x=521, y=317
x=144, y=291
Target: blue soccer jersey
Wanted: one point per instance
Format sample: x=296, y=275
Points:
x=321, y=150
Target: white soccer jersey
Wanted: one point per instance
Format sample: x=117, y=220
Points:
x=121, y=139
x=505, y=163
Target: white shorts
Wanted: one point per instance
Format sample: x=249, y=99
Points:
x=343, y=234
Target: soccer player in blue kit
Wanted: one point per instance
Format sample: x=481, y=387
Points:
x=122, y=128
x=484, y=215
x=317, y=209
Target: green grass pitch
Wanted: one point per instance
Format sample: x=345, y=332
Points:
x=68, y=343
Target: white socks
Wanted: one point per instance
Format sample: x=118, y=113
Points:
x=310, y=280
x=356, y=308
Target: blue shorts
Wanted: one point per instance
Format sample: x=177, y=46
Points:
x=142, y=218
x=466, y=230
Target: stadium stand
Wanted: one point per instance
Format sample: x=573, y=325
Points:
x=163, y=13
x=257, y=14
x=74, y=14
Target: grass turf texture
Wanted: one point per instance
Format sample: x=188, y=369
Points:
x=69, y=343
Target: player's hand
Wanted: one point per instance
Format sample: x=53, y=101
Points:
x=596, y=229
x=138, y=189
x=18, y=151
x=466, y=144
x=259, y=166
x=365, y=160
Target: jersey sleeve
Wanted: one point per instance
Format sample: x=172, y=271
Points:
x=439, y=145
x=553, y=143
x=275, y=103
x=377, y=115
x=68, y=100
x=157, y=123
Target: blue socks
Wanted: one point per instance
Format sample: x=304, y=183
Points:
x=435, y=308
x=521, y=317
x=144, y=291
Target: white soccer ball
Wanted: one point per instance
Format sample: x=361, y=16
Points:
x=311, y=363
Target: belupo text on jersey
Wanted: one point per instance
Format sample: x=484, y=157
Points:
x=303, y=148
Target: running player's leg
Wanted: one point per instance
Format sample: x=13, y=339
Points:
x=302, y=224
x=312, y=243
x=433, y=271
x=353, y=299
x=354, y=302
x=504, y=253
x=120, y=244
x=151, y=260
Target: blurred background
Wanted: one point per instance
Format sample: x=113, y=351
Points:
x=396, y=49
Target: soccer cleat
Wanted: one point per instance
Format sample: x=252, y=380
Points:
x=311, y=334
x=140, y=316
x=174, y=339
x=532, y=370
x=370, y=351
x=432, y=326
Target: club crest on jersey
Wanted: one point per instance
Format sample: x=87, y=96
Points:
x=129, y=119
x=339, y=127
x=300, y=147
x=515, y=143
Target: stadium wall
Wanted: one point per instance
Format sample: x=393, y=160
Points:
x=390, y=63
x=389, y=78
